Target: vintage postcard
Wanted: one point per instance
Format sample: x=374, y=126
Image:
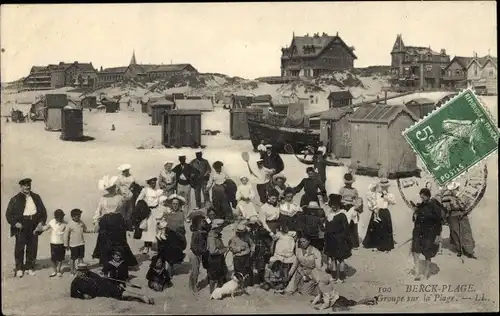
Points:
x=250, y=158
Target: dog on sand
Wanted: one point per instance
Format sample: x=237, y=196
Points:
x=229, y=288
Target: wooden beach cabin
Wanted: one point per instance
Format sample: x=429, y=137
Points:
x=72, y=123
x=377, y=142
x=281, y=108
x=54, y=103
x=335, y=131
x=181, y=128
x=240, y=101
x=238, y=125
x=339, y=99
x=420, y=106
x=158, y=108
x=89, y=102
x=197, y=105
x=37, y=110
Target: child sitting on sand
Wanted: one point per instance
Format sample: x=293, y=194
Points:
x=157, y=275
x=117, y=269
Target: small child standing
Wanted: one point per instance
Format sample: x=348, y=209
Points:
x=57, y=250
x=73, y=238
x=242, y=248
x=372, y=201
x=348, y=193
x=245, y=195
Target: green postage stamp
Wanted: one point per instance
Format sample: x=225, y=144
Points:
x=454, y=138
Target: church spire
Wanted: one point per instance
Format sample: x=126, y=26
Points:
x=132, y=61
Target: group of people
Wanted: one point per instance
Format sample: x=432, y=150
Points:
x=278, y=244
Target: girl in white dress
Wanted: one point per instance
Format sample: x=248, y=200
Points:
x=151, y=195
x=245, y=195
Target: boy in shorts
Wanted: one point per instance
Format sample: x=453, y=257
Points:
x=73, y=238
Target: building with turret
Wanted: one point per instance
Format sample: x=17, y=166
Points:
x=312, y=56
x=417, y=67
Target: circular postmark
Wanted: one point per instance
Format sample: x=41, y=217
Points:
x=472, y=186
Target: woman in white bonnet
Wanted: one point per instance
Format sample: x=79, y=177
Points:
x=151, y=196
x=110, y=201
x=245, y=195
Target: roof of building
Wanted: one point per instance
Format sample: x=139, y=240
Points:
x=312, y=46
x=201, y=105
x=482, y=60
x=35, y=69
x=380, y=113
x=115, y=70
x=335, y=114
x=169, y=68
x=263, y=98
x=161, y=102
x=340, y=95
x=420, y=101
x=260, y=104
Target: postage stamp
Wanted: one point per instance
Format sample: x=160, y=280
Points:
x=455, y=137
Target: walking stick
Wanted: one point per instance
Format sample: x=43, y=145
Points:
x=460, y=238
x=123, y=282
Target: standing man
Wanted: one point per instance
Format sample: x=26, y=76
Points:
x=124, y=185
x=201, y=179
x=320, y=165
x=272, y=160
x=184, y=174
x=24, y=213
x=262, y=178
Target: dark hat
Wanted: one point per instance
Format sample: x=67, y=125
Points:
x=75, y=211
x=59, y=213
x=334, y=199
x=218, y=164
x=26, y=181
x=348, y=178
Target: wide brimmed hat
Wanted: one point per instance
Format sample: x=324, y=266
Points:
x=279, y=176
x=253, y=220
x=26, y=181
x=453, y=186
x=107, y=182
x=181, y=155
x=168, y=162
x=335, y=199
x=348, y=178
x=174, y=196
x=313, y=205
x=162, y=199
x=216, y=223
x=241, y=228
x=124, y=167
x=82, y=266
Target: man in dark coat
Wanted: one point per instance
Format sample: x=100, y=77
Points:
x=312, y=186
x=201, y=179
x=272, y=160
x=185, y=174
x=24, y=213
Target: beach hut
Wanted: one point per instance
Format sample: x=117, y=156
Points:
x=339, y=99
x=193, y=97
x=281, y=108
x=335, y=131
x=377, y=141
x=89, y=102
x=158, y=108
x=262, y=105
x=241, y=101
x=72, y=123
x=54, y=103
x=238, y=122
x=420, y=106
x=178, y=96
x=181, y=128
x=197, y=105
x=263, y=98
x=37, y=110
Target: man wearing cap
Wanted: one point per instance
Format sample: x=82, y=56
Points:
x=201, y=178
x=185, y=174
x=24, y=213
x=456, y=212
x=272, y=160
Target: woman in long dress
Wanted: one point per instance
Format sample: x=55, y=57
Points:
x=112, y=228
x=379, y=234
x=151, y=196
x=172, y=248
x=220, y=200
x=245, y=195
x=124, y=184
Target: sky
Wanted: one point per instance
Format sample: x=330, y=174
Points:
x=237, y=39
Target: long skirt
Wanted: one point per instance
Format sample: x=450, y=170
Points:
x=297, y=283
x=220, y=202
x=217, y=268
x=379, y=235
x=461, y=234
x=353, y=234
x=305, y=199
x=149, y=234
x=172, y=248
x=247, y=209
x=104, y=249
x=242, y=264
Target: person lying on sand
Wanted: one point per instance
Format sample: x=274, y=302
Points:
x=87, y=285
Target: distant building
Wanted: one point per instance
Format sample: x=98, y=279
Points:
x=312, y=56
x=482, y=74
x=455, y=73
x=142, y=72
x=61, y=75
x=417, y=67
x=339, y=99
